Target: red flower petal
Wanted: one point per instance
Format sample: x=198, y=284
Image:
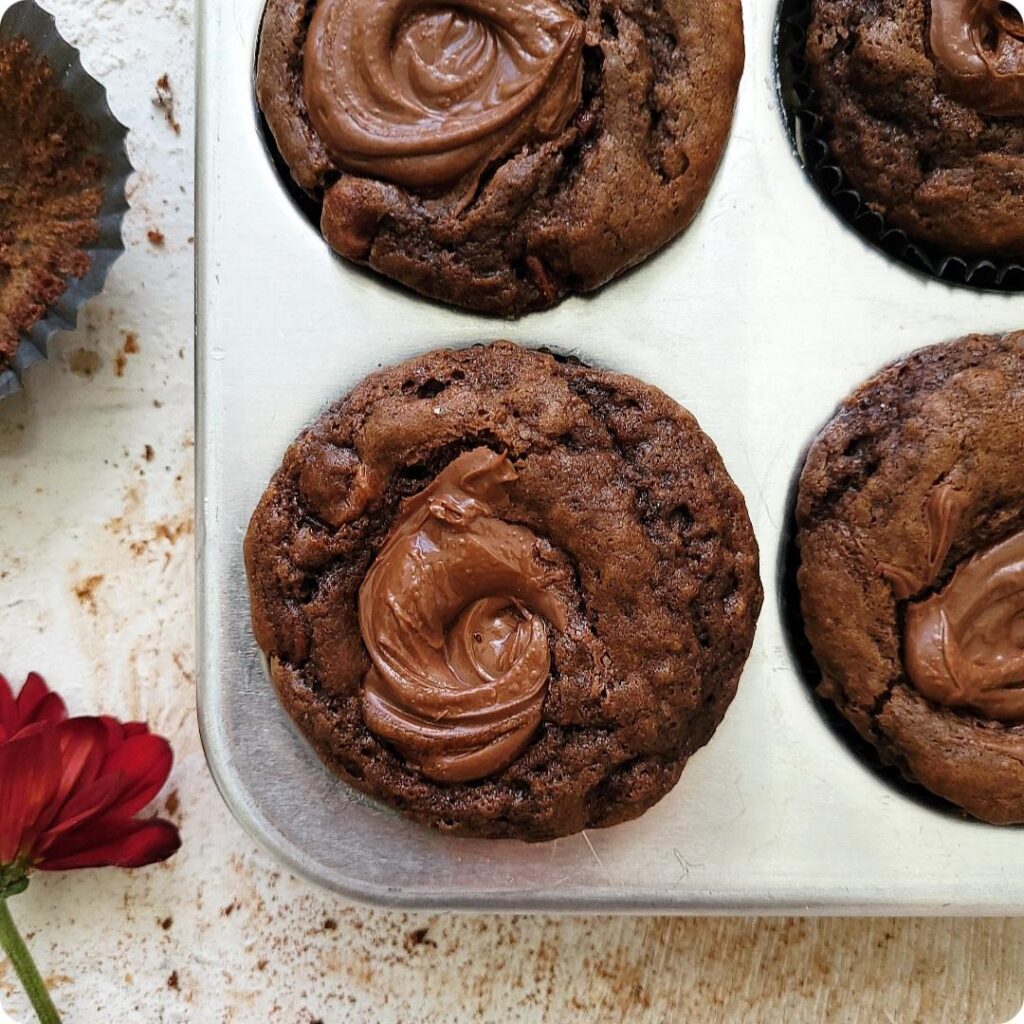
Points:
x=90, y=802
x=145, y=762
x=32, y=692
x=115, y=731
x=37, y=704
x=118, y=732
x=30, y=772
x=81, y=742
x=50, y=709
x=8, y=710
x=83, y=748
x=69, y=787
x=114, y=843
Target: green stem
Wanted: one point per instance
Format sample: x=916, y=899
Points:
x=14, y=946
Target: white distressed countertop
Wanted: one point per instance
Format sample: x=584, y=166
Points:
x=96, y=592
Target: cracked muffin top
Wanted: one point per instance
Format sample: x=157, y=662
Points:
x=508, y=594
x=499, y=156
x=923, y=103
x=910, y=518
x=51, y=191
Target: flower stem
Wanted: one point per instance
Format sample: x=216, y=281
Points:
x=14, y=946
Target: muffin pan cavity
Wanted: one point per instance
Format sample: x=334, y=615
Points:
x=808, y=132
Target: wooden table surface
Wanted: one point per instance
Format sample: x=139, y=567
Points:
x=96, y=591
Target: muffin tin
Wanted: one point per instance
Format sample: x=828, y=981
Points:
x=759, y=319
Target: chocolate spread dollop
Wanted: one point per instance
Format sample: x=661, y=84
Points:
x=965, y=644
x=422, y=93
x=978, y=46
x=455, y=613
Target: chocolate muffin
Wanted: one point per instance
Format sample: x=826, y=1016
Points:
x=923, y=104
x=51, y=192
x=910, y=517
x=501, y=155
x=504, y=592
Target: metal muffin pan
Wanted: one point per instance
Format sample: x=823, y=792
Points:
x=759, y=319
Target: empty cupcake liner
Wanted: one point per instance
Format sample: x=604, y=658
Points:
x=29, y=21
x=809, y=134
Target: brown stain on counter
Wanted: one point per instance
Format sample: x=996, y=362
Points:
x=140, y=665
x=173, y=530
x=85, y=591
x=129, y=348
x=536, y=970
x=131, y=527
x=83, y=362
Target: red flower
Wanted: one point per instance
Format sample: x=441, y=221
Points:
x=70, y=787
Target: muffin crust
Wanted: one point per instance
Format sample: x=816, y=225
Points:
x=551, y=216
x=925, y=156
x=644, y=536
x=917, y=474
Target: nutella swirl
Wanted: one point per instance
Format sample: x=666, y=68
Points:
x=965, y=644
x=422, y=93
x=979, y=48
x=453, y=615
x=943, y=510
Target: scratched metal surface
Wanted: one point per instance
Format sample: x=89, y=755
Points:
x=759, y=319
x=96, y=591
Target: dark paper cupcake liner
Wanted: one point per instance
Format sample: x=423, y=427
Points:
x=809, y=135
x=28, y=20
x=802, y=657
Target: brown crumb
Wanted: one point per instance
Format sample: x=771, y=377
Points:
x=418, y=938
x=84, y=362
x=172, y=981
x=261, y=964
x=86, y=592
x=166, y=923
x=156, y=237
x=148, y=453
x=172, y=803
x=164, y=100
x=330, y=925
x=129, y=348
x=229, y=909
